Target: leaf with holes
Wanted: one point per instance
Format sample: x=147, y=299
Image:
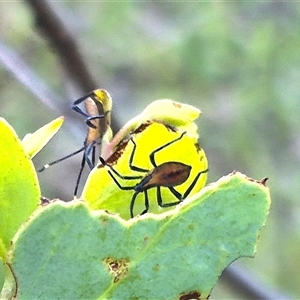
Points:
x=68, y=251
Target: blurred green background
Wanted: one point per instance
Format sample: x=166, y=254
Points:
x=239, y=62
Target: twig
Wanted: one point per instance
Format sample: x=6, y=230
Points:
x=59, y=37
x=14, y=64
x=67, y=48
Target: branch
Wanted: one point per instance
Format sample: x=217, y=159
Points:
x=67, y=48
x=64, y=43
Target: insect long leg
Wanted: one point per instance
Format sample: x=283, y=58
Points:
x=77, y=109
x=152, y=155
x=88, y=117
x=91, y=118
x=133, y=202
x=160, y=201
x=79, y=175
x=94, y=156
x=125, y=188
x=112, y=170
x=177, y=194
x=91, y=148
x=86, y=159
x=61, y=159
x=146, y=202
x=132, y=167
x=187, y=192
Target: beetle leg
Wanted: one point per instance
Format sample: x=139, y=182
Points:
x=152, y=155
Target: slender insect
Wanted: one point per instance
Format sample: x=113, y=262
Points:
x=169, y=175
x=98, y=105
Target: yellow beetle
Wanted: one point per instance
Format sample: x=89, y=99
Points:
x=157, y=164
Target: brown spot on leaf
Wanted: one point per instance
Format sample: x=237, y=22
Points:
x=44, y=201
x=264, y=181
x=118, y=268
x=170, y=127
x=146, y=239
x=191, y=295
x=142, y=127
x=113, y=159
x=198, y=148
x=176, y=104
x=191, y=226
x=156, y=268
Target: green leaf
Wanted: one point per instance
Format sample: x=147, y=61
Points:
x=2, y=274
x=19, y=190
x=67, y=251
x=34, y=142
